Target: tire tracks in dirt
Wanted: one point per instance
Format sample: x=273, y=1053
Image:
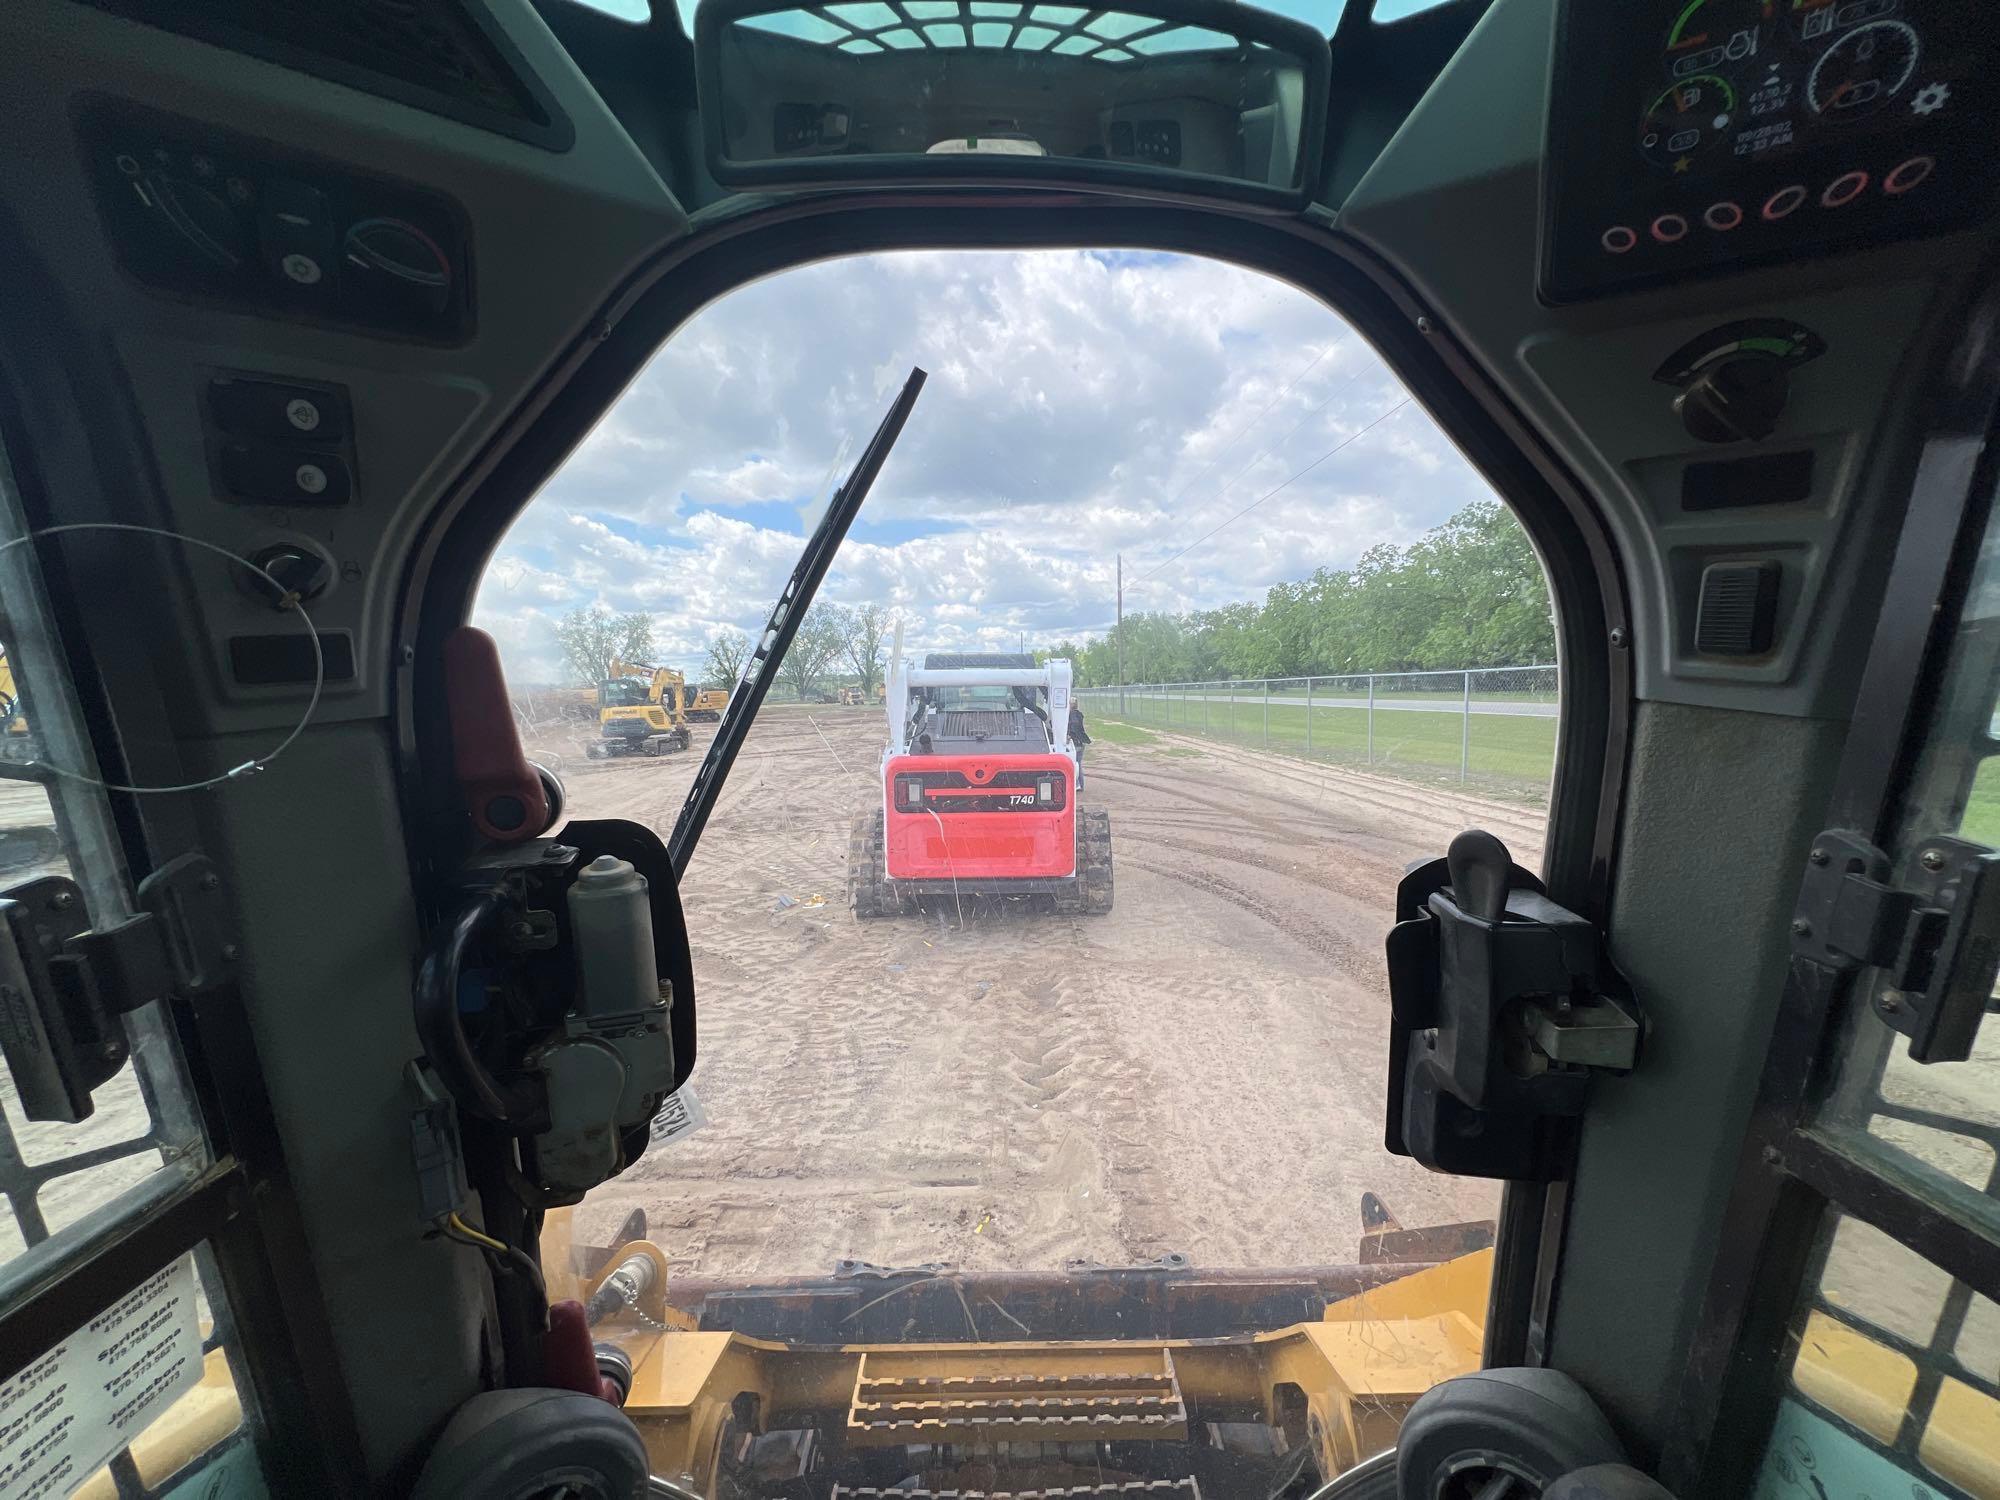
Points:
x=1196, y=1071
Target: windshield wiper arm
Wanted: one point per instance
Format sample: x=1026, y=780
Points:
x=762, y=669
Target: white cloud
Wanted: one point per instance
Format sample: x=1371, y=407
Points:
x=1079, y=405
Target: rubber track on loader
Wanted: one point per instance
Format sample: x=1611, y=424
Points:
x=1096, y=855
x=1091, y=897
x=868, y=890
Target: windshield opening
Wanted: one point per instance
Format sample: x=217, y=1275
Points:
x=1038, y=930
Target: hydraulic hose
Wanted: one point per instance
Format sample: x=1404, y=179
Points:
x=438, y=1023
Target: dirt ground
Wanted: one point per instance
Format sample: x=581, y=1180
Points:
x=1201, y=1071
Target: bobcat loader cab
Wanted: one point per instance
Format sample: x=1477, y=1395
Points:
x=302, y=306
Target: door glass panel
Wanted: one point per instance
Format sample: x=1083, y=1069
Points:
x=76, y=1165
x=137, y=1134
x=1937, y=1124
x=1895, y=1372
x=139, y=1401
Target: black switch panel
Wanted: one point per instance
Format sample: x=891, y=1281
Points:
x=191, y=211
x=273, y=441
x=283, y=660
x=272, y=411
x=1762, y=479
x=1158, y=141
x=263, y=475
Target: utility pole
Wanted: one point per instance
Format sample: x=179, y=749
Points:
x=1121, y=634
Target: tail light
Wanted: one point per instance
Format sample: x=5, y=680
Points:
x=1045, y=790
x=913, y=792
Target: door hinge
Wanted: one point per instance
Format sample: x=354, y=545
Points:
x=66, y=985
x=1935, y=939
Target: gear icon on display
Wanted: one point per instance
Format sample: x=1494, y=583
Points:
x=1931, y=98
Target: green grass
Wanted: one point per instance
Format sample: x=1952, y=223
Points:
x=1981, y=823
x=1512, y=753
x=1113, y=732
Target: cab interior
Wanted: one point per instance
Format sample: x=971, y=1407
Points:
x=1736, y=380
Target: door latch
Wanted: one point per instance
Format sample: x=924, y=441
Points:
x=1504, y=1005
x=1936, y=940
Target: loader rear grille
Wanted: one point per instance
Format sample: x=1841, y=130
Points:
x=1006, y=791
x=982, y=724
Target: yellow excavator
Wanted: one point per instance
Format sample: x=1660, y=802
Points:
x=12, y=720
x=708, y=705
x=641, y=710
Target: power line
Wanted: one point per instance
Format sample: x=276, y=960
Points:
x=1351, y=437
x=1290, y=433
x=1203, y=471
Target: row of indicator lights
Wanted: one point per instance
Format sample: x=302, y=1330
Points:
x=1725, y=216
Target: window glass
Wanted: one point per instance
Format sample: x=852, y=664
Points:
x=1396, y=10
x=59, y=866
x=1937, y=1123
x=138, y=1401
x=628, y=10
x=944, y=1092
x=809, y=90
x=1896, y=1373
x=1324, y=14
x=103, y=1129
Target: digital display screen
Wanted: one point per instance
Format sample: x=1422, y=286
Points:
x=1689, y=135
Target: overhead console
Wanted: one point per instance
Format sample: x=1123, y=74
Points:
x=189, y=211
x=1188, y=96
x=1688, y=136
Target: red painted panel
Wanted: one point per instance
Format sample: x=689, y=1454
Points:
x=937, y=844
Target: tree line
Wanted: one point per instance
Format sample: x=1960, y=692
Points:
x=832, y=639
x=1468, y=593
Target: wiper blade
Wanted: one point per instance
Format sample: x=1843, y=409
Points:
x=762, y=669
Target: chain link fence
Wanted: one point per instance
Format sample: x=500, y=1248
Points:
x=1493, y=728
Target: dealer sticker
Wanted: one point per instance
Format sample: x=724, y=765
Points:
x=681, y=1115
x=66, y=1414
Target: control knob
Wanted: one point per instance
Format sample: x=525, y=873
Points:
x=1735, y=400
x=398, y=267
x=200, y=222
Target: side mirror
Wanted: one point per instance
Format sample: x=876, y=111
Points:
x=1202, y=97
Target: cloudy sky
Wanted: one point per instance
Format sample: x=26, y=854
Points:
x=1080, y=405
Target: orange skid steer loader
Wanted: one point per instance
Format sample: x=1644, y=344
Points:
x=979, y=792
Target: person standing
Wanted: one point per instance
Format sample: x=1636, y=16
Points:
x=1078, y=737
